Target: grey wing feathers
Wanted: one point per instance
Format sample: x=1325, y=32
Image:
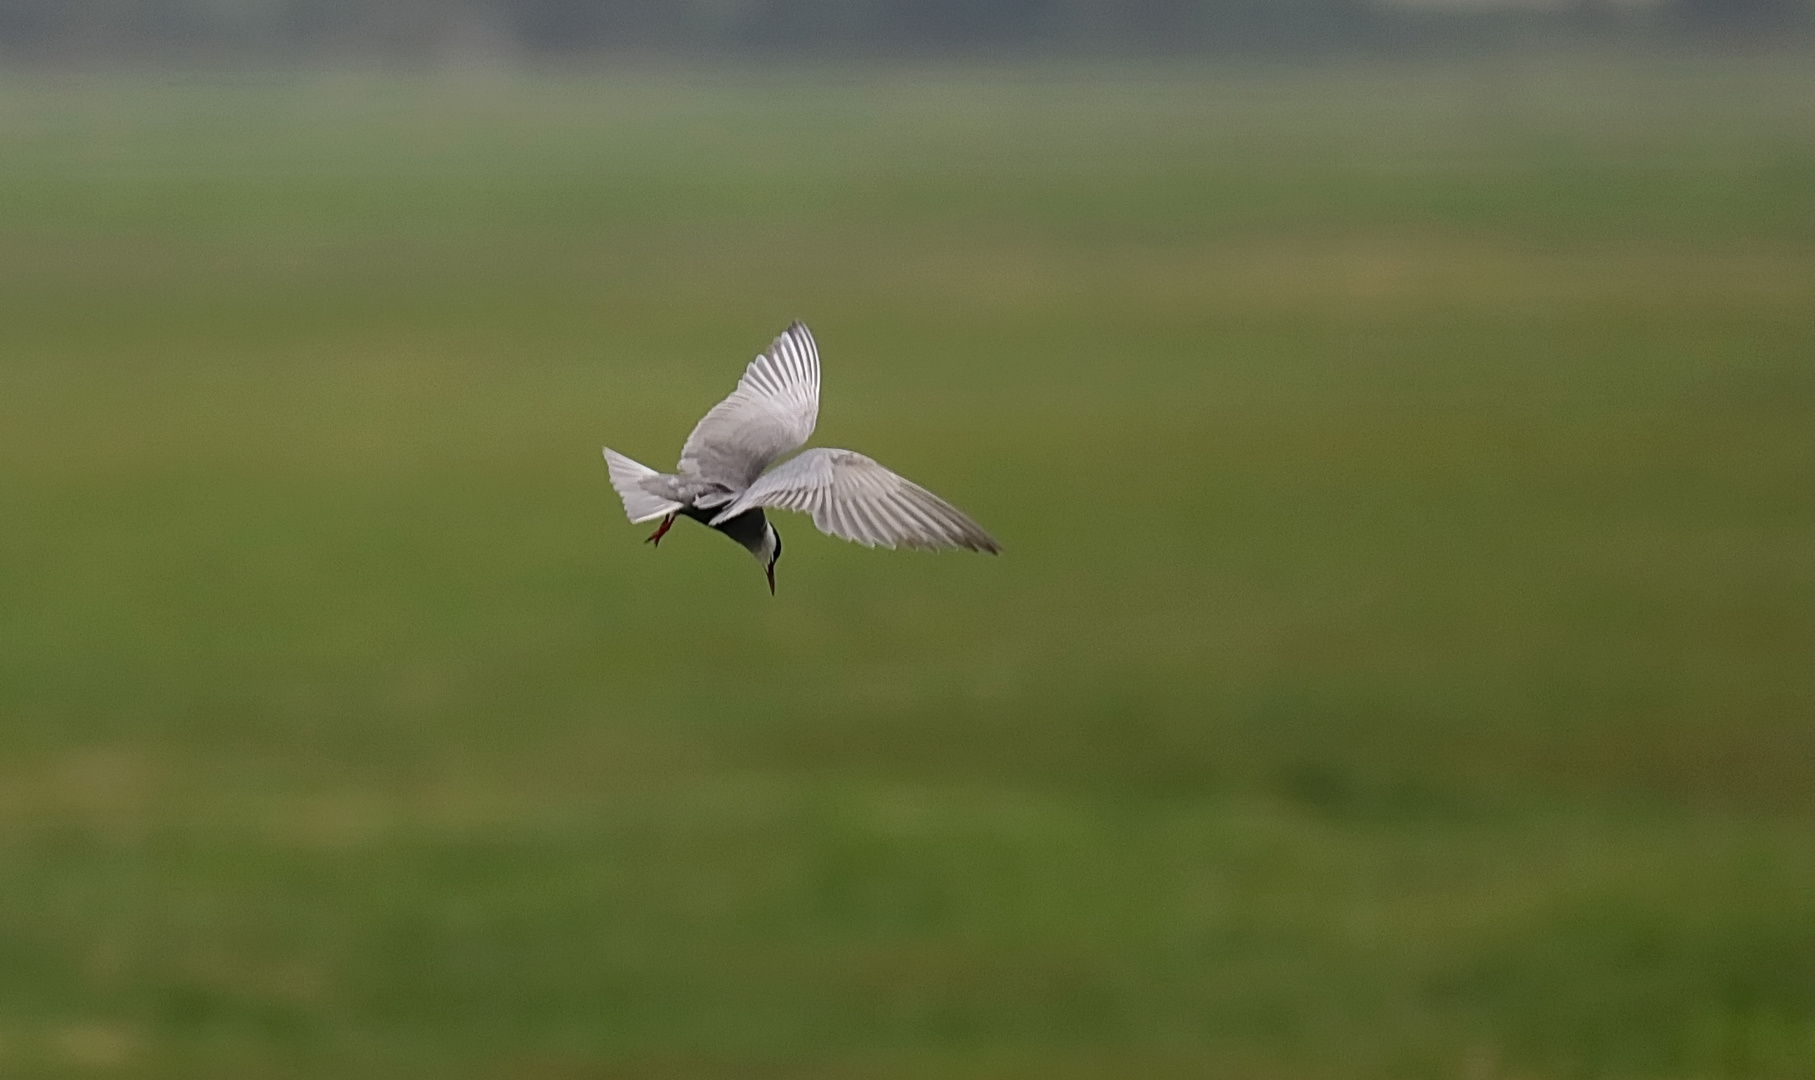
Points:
x=771, y=412
x=853, y=498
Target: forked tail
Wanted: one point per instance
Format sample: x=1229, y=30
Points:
x=628, y=476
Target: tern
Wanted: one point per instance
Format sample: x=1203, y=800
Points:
x=721, y=482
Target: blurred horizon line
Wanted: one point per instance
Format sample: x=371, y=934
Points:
x=530, y=33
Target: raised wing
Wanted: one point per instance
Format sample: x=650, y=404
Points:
x=771, y=412
x=853, y=498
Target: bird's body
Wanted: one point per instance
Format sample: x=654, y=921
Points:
x=721, y=481
x=748, y=528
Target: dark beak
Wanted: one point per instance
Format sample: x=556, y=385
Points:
x=770, y=570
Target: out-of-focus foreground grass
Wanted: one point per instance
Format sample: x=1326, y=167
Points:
x=1402, y=665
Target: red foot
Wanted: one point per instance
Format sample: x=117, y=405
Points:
x=667, y=523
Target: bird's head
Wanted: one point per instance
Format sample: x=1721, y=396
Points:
x=770, y=554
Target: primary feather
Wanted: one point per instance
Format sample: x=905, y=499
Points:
x=853, y=498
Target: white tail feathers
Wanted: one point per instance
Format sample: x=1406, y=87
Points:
x=628, y=476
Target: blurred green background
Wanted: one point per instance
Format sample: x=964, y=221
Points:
x=1402, y=664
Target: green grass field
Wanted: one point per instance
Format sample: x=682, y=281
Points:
x=1402, y=664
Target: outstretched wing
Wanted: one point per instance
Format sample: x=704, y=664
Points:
x=853, y=498
x=771, y=412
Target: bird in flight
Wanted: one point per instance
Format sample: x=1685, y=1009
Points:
x=720, y=482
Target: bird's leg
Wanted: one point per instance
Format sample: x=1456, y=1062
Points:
x=656, y=538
